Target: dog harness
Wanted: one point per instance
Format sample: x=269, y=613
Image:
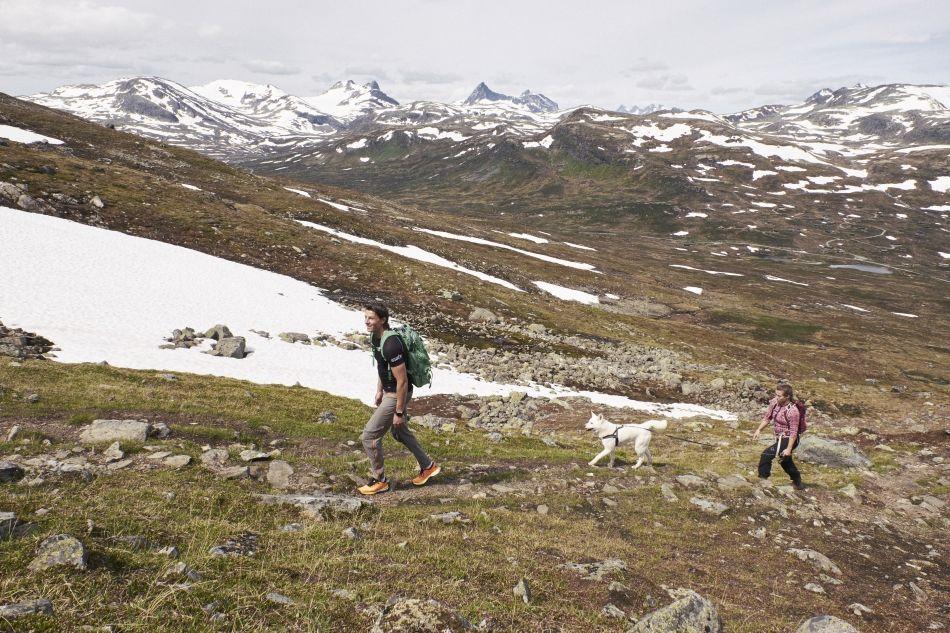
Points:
x=616, y=438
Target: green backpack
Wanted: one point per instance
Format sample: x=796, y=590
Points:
x=418, y=365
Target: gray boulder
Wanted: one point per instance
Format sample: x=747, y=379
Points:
x=293, y=337
x=230, y=347
x=709, y=506
x=821, y=450
x=10, y=472
x=689, y=613
x=23, y=609
x=819, y=560
x=115, y=431
x=61, y=549
x=825, y=624
x=412, y=615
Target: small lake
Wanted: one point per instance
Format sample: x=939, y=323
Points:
x=867, y=268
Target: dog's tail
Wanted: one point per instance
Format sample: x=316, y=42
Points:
x=658, y=425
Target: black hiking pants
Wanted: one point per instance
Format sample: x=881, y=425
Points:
x=765, y=461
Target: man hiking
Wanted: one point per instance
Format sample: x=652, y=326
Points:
x=786, y=420
x=393, y=391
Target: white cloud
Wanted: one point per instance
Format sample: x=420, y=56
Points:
x=271, y=67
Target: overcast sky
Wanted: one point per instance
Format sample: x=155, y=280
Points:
x=719, y=55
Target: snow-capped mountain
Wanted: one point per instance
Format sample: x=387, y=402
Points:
x=872, y=117
x=222, y=119
x=535, y=102
x=348, y=100
x=650, y=108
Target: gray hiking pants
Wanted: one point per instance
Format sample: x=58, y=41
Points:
x=382, y=421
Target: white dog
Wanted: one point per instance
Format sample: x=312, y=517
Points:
x=613, y=435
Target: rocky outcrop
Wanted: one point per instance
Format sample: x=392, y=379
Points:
x=10, y=472
x=230, y=347
x=102, y=431
x=825, y=624
x=60, y=550
x=836, y=453
x=412, y=615
x=21, y=345
x=24, y=609
x=689, y=613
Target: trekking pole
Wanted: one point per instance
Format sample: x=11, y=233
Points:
x=778, y=448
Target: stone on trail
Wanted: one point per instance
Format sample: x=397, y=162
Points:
x=709, y=506
x=825, y=624
x=731, y=483
x=412, y=615
x=688, y=613
x=214, y=458
x=819, y=560
x=234, y=472
x=321, y=506
x=102, y=431
x=10, y=472
x=23, y=609
x=821, y=450
x=61, y=549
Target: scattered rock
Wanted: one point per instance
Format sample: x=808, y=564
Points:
x=234, y=472
x=21, y=345
x=850, y=491
x=322, y=506
x=218, y=332
x=691, y=481
x=278, y=474
x=859, y=609
x=23, y=609
x=709, y=506
x=327, y=417
x=612, y=611
x=817, y=559
x=412, y=615
x=250, y=455
x=279, y=598
x=821, y=450
x=183, y=571
x=160, y=430
x=448, y=517
x=482, y=315
x=177, y=461
x=33, y=398
x=814, y=587
x=667, y=491
x=244, y=544
x=113, y=454
x=825, y=624
x=132, y=542
x=598, y=570
x=522, y=590
x=688, y=613
x=214, y=457
x=10, y=472
x=61, y=549
x=352, y=534
x=102, y=431
x=231, y=347
x=543, y=509
x=14, y=431
x=293, y=337
x=732, y=483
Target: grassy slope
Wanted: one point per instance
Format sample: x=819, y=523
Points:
x=471, y=566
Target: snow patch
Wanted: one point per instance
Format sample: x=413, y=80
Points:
x=299, y=192
x=19, y=135
x=694, y=289
x=567, y=294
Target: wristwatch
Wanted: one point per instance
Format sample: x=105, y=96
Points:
x=399, y=414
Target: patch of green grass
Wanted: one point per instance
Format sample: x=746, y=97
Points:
x=766, y=328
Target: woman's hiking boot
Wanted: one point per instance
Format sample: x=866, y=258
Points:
x=426, y=474
x=374, y=487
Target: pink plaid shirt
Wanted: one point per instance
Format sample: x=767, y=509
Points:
x=785, y=419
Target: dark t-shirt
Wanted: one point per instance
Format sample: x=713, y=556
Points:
x=392, y=355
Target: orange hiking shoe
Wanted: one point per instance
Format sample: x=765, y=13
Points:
x=374, y=487
x=426, y=474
